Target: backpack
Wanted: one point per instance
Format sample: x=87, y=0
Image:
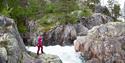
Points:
x=37, y=39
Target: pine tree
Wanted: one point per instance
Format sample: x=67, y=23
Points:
x=110, y=6
x=91, y=4
x=116, y=10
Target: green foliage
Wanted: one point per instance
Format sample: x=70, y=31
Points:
x=86, y=12
x=116, y=10
x=58, y=13
x=6, y=11
x=110, y=5
x=92, y=7
x=67, y=18
x=91, y=4
x=36, y=9
x=67, y=6
x=21, y=27
x=106, y=12
x=46, y=22
x=48, y=14
x=50, y=8
x=93, y=1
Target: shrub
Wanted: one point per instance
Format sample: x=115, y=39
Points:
x=86, y=12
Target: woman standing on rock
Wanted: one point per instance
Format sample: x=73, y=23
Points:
x=40, y=44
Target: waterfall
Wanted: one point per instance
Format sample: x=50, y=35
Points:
x=66, y=53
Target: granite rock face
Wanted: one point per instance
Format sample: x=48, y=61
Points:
x=103, y=44
x=95, y=19
x=12, y=48
x=10, y=42
x=62, y=35
x=66, y=34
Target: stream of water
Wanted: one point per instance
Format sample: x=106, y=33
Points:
x=66, y=53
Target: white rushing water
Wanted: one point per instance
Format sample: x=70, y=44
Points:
x=66, y=53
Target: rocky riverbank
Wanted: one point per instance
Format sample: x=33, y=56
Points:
x=66, y=34
x=12, y=48
x=103, y=44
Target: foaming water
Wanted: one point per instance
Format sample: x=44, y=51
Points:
x=66, y=53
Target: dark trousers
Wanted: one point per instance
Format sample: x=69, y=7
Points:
x=40, y=46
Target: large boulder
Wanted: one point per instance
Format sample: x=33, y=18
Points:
x=95, y=19
x=10, y=42
x=102, y=10
x=103, y=44
x=81, y=30
x=12, y=48
x=50, y=58
x=63, y=34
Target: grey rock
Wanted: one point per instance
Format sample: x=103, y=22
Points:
x=10, y=40
x=4, y=21
x=3, y=55
x=104, y=43
x=46, y=58
x=102, y=10
x=66, y=34
x=95, y=19
x=12, y=48
x=81, y=30
x=62, y=35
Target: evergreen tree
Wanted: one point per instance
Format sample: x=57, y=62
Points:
x=116, y=10
x=91, y=4
x=110, y=6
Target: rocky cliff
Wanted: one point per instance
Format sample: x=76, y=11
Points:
x=103, y=44
x=12, y=48
x=66, y=34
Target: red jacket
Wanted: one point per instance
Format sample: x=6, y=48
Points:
x=39, y=41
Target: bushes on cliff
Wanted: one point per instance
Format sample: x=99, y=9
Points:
x=25, y=10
